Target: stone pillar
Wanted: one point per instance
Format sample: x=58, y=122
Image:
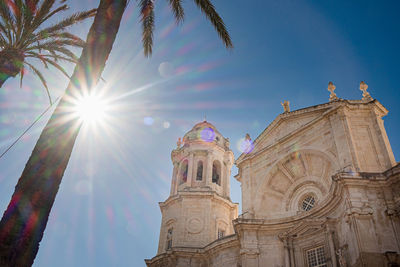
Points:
x=286, y=247
x=249, y=257
x=388, y=155
x=223, y=178
x=174, y=180
x=227, y=174
x=209, y=169
x=332, y=250
x=291, y=249
x=190, y=169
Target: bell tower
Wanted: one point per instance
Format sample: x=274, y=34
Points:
x=198, y=210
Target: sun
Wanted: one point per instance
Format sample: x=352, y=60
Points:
x=91, y=109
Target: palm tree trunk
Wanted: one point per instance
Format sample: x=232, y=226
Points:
x=24, y=221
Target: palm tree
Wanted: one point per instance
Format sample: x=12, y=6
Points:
x=25, y=219
x=22, y=38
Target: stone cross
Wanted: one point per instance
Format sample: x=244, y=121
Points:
x=363, y=88
x=285, y=106
x=331, y=88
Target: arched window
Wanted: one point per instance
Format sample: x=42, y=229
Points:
x=216, y=173
x=199, y=174
x=184, y=172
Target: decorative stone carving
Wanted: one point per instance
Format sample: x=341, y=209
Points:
x=195, y=225
x=359, y=212
x=285, y=105
x=179, y=143
x=341, y=258
x=363, y=88
x=331, y=88
x=393, y=210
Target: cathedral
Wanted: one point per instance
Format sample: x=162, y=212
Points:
x=320, y=187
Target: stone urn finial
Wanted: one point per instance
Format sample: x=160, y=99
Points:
x=285, y=105
x=363, y=88
x=331, y=88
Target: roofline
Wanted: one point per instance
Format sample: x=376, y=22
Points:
x=284, y=115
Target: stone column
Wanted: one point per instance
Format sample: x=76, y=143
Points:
x=209, y=169
x=174, y=180
x=388, y=156
x=292, y=258
x=190, y=169
x=332, y=250
x=287, y=252
x=249, y=257
x=223, y=178
x=226, y=179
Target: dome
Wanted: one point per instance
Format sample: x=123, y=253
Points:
x=205, y=132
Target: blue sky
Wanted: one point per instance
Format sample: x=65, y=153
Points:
x=106, y=212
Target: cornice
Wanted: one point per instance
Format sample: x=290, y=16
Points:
x=328, y=107
x=199, y=252
x=197, y=194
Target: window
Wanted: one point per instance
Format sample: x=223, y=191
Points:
x=307, y=203
x=221, y=233
x=316, y=257
x=169, y=239
x=199, y=175
x=216, y=173
x=184, y=172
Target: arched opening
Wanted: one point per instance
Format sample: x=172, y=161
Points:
x=183, y=172
x=216, y=173
x=199, y=174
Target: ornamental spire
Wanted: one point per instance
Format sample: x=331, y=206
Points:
x=363, y=88
x=331, y=88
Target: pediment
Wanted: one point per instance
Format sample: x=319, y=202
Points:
x=285, y=125
x=305, y=228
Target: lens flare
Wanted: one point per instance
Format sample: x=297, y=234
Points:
x=91, y=109
x=207, y=134
x=245, y=146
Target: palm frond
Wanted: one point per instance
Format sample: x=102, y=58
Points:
x=8, y=20
x=55, y=47
x=57, y=36
x=147, y=18
x=55, y=57
x=77, y=17
x=55, y=11
x=211, y=14
x=30, y=9
x=6, y=31
x=42, y=79
x=43, y=10
x=17, y=11
x=57, y=66
x=177, y=9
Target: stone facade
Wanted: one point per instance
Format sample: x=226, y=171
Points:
x=320, y=186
